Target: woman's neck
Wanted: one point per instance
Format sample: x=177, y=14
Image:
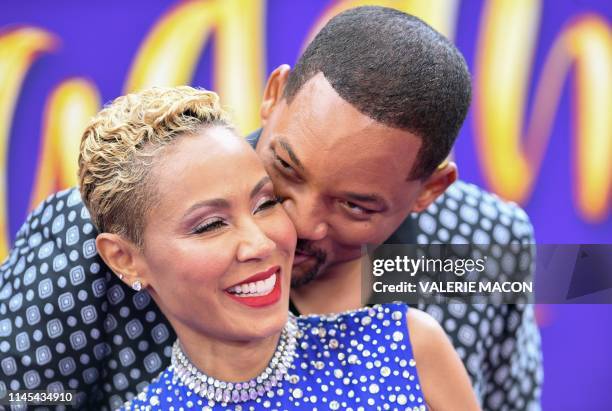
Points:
x=226, y=360
x=338, y=290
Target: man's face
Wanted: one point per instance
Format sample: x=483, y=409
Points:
x=343, y=176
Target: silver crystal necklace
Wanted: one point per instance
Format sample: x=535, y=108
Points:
x=230, y=392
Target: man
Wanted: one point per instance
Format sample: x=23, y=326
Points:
x=355, y=139
x=354, y=145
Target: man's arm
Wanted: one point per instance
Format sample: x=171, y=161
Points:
x=498, y=344
x=66, y=321
x=514, y=361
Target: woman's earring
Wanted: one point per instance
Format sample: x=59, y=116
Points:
x=136, y=285
x=120, y=276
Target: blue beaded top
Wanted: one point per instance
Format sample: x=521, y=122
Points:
x=358, y=360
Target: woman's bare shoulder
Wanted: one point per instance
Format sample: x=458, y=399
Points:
x=443, y=377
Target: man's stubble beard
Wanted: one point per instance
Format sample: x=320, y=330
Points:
x=315, y=270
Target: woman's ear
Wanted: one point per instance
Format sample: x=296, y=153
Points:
x=123, y=257
x=273, y=93
x=436, y=184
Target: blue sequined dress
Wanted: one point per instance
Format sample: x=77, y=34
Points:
x=359, y=360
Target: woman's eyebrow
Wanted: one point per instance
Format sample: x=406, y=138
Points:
x=213, y=203
x=223, y=203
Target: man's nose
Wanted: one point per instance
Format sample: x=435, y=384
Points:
x=254, y=244
x=308, y=216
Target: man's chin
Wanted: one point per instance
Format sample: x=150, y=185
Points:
x=305, y=272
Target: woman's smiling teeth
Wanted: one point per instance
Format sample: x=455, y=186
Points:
x=254, y=289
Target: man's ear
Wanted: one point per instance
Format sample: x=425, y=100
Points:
x=273, y=93
x=123, y=257
x=435, y=185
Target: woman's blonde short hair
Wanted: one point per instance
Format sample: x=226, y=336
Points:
x=120, y=144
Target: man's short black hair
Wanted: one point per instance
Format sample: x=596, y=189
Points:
x=395, y=69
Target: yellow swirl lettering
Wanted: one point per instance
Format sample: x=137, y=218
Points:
x=510, y=162
x=18, y=48
x=69, y=108
x=169, y=54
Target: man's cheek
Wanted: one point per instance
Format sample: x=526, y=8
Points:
x=358, y=236
x=382, y=230
x=342, y=252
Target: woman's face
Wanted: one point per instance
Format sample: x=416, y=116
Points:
x=218, y=249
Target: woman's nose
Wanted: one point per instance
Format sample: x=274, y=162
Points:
x=255, y=244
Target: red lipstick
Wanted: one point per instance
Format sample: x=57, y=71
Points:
x=255, y=300
x=259, y=276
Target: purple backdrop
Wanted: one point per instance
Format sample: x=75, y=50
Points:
x=99, y=41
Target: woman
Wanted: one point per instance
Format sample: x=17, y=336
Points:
x=186, y=211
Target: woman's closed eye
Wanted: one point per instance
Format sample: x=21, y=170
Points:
x=266, y=202
x=216, y=223
x=209, y=225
